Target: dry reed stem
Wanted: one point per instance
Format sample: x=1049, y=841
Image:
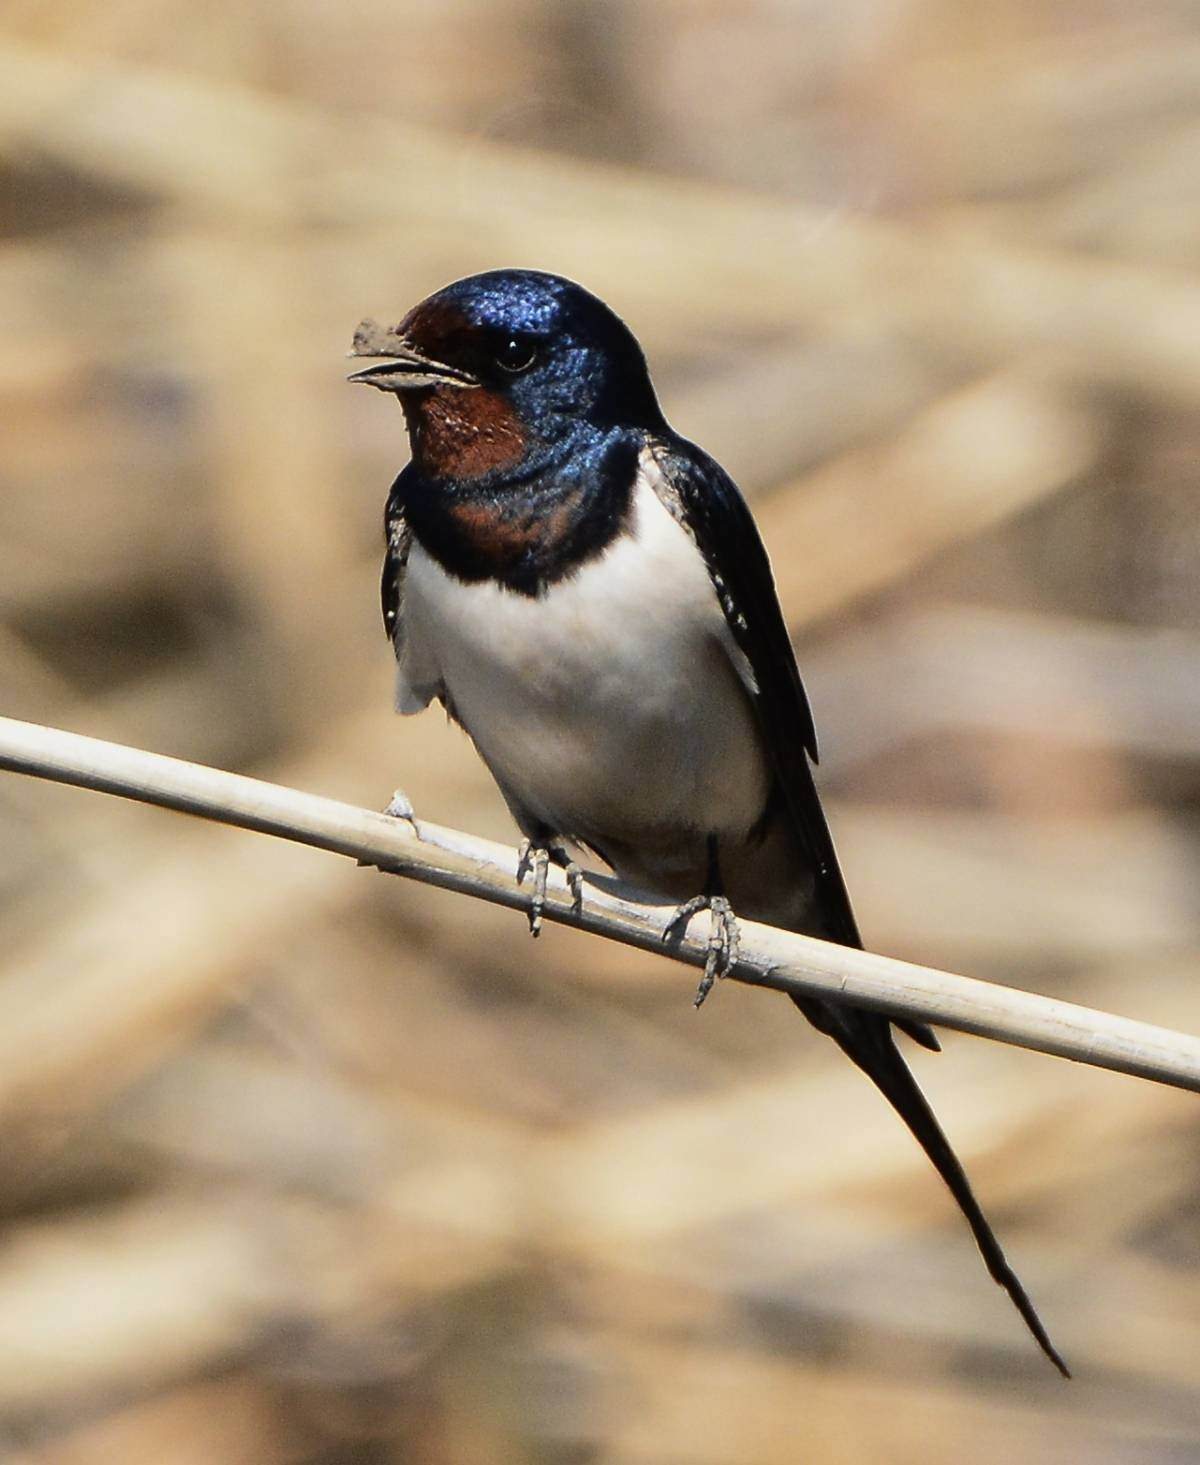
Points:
x=444, y=857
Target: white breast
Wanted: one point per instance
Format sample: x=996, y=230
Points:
x=612, y=706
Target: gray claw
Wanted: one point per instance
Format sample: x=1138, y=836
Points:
x=676, y=927
x=537, y=858
x=724, y=938
x=574, y=884
x=724, y=943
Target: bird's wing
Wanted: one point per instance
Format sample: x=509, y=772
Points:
x=397, y=537
x=417, y=684
x=706, y=501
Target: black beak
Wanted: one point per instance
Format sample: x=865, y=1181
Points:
x=401, y=366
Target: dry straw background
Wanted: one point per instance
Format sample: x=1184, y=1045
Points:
x=302, y=1164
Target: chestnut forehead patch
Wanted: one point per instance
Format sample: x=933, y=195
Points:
x=438, y=329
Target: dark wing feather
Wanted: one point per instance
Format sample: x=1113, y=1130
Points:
x=398, y=542
x=709, y=505
x=707, y=502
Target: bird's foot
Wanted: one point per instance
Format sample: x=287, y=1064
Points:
x=536, y=858
x=724, y=939
x=399, y=806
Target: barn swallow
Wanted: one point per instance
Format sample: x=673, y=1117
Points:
x=587, y=594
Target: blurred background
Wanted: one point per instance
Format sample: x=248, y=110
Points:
x=304, y=1164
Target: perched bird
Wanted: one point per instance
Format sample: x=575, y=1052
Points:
x=588, y=596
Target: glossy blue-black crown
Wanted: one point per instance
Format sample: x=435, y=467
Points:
x=586, y=359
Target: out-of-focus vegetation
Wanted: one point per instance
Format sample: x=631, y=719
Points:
x=303, y=1165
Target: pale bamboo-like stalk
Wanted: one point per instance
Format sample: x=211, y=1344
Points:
x=768, y=957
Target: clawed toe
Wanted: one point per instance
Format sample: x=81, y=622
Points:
x=536, y=859
x=724, y=939
x=676, y=927
x=574, y=884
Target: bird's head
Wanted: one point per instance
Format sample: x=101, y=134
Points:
x=502, y=372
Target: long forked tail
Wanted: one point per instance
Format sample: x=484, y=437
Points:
x=866, y=1037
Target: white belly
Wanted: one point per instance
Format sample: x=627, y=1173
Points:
x=611, y=708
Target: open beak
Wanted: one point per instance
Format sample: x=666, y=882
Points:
x=401, y=366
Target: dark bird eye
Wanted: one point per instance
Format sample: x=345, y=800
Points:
x=516, y=355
